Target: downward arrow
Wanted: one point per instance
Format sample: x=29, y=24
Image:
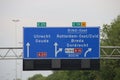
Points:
x=28, y=45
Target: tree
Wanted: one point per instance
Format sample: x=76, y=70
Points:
x=111, y=33
x=37, y=77
x=117, y=71
x=111, y=37
x=58, y=75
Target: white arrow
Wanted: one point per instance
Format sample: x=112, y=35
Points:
x=28, y=45
x=57, y=51
x=56, y=44
x=89, y=50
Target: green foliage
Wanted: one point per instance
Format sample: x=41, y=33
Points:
x=58, y=75
x=117, y=71
x=110, y=37
x=107, y=70
x=37, y=77
x=111, y=33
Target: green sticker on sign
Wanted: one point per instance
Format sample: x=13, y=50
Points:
x=76, y=24
x=41, y=24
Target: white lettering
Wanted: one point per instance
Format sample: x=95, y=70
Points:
x=77, y=45
x=66, y=36
x=77, y=41
x=41, y=41
x=42, y=36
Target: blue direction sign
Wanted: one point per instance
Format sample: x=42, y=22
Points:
x=61, y=43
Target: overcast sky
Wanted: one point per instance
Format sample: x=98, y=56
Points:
x=55, y=13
